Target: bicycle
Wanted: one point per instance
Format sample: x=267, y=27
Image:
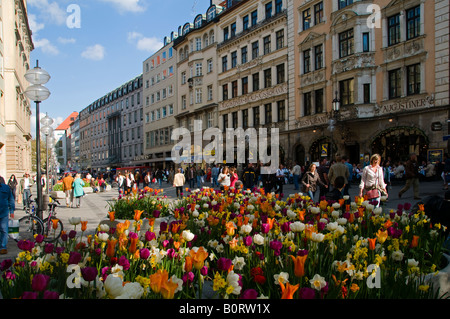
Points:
x=31, y=225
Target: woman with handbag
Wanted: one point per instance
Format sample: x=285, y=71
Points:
x=372, y=182
x=310, y=180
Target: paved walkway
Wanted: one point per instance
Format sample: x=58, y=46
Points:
x=94, y=207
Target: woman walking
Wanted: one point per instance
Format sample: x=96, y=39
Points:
x=372, y=181
x=311, y=180
x=78, y=191
x=178, y=182
x=224, y=178
x=12, y=183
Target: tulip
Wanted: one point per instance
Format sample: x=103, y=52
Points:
x=29, y=295
x=168, y=289
x=55, y=223
x=287, y=292
x=306, y=293
x=299, y=265
x=157, y=279
x=74, y=258
x=415, y=241
x=382, y=236
x=198, y=257
x=188, y=263
x=249, y=294
x=89, y=273
x=111, y=216
x=372, y=242
x=40, y=282
x=50, y=295
x=110, y=250
x=83, y=225
x=144, y=253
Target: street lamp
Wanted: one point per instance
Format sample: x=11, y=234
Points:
x=47, y=130
x=37, y=93
x=336, y=104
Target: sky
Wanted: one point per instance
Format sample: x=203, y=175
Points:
x=91, y=47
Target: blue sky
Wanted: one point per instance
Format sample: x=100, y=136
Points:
x=91, y=47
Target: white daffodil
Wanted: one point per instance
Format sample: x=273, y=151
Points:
x=318, y=282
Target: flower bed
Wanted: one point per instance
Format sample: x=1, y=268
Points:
x=243, y=245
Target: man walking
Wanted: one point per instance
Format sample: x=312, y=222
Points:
x=25, y=189
x=339, y=169
x=296, y=171
x=412, y=176
x=249, y=177
x=214, y=175
x=7, y=207
x=67, y=189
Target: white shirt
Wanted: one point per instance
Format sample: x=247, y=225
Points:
x=26, y=184
x=226, y=179
x=370, y=178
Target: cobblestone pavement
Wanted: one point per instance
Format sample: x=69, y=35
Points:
x=94, y=207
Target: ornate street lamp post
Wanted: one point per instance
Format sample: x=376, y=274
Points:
x=336, y=104
x=47, y=130
x=37, y=93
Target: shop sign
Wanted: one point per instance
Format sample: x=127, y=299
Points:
x=406, y=105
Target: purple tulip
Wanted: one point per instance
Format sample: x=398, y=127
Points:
x=124, y=262
x=144, y=253
x=29, y=295
x=249, y=294
x=265, y=228
x=224, y=263
x=74, y=258
x=39, y=238
x=59, y=250
x=48, y=248
x=40, y=282
x=72, y=234
x=189, y=277
x=89, y=273
x=156, y=213
x=51, y=294
x=5, y=264
x=25, y=245
x=149, y=236
x=306, y=293
x=204, y=271
x=248, y=241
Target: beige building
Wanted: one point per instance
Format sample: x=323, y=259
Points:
x=386, y=62
x=160, y=101
x=15, y=109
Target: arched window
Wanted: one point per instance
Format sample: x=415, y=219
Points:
x=211, y=13
x=211, y=37
x=205, y=40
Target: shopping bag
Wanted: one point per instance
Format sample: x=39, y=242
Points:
x=13, y=228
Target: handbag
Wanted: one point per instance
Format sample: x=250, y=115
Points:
x=13, y=228
x=373, y=192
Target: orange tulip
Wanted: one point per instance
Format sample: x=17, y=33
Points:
x=341, y=201
x=382, y=236
x=299, y=265
x=188, y=263
x=84, y=225
x=415, y=241
x=110, y=250
x=270, y=221
x=175, y=228
x=387, y=224
x=133, y=244
x=421, y=207
x=157, y=280
x=198, y=257
x=112, y=216
x=168, y=289
x=287, y=292
x=55, y=223
x=230, y=228
x=372, y=242
x=137, y=214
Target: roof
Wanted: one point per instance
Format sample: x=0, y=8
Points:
x=66, y=123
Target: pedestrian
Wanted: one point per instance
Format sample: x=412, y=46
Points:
x=336, y=194
x=178, y=182
x=339, y=169
x=322, y=170
x=280, y=179
x=200, y=173
x=214, y=175
x=67, y=189
x=7, y=208
x=412, y=176
x=249, y=176
x=78, y=191
x=121, y=183
x=296, y=171
x=224, y=178
x=233, y=177
x=159, y=177
x=25, y=189
x=372, y=180
x=310, y=181
x=12, y=183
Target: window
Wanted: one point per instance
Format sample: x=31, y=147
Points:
x=269, y=10
x=318, y=101
x=198, y=69
x=266, y=41
x=234, y=119
x=244, y=55
x=198, y=44
x=281, y=110
x=225, y=33
x=366, y=92
x=395, y=83
x=344, y=3
x=306, y=61
x=280, y=73
x=210, y=65
x=413, y=79
x=255, y=49
x=233, y=29
x=255, y=80
x=234, y=89
x=268, y=113
x=233, y=59
x=225, y=120
x=225, y=92
x=245, y=23
x=318, y=57
x=245, y=119
x=256, y=121
x=307, y=103
x=244, y=83
x=412, y=23
x=280, y=39
x=183, y=102
x=366, y=43
x=198, y=95
x=210, y=92
x=346, y=91
x=267, y=78
x=224, y=63
x=254, y=16
x=278, y=6
x=306, y=19
x=318, y=13
x=346, y=43
x=394, y=29
x=183, y=77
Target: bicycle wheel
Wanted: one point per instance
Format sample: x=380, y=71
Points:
x=29, y=226
x=52, y=230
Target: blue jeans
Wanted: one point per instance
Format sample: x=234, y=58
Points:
x=199, y=181
x=26, y=198
x=214, y=181
x=4, y=232
x=296, y=182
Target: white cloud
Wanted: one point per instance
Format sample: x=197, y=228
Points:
x=51, y=12
x=143, y=43
x=66, y=40
x=95, y=52
x=127, y=5
x=34, y=25
x=46, y=46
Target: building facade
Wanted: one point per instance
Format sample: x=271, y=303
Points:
x=378, y=59
x=160, y=96
x=15, y=109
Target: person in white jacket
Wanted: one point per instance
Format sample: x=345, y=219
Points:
x=178, y=182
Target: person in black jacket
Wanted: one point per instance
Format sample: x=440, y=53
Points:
x=336, y=193
x=249, y=177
